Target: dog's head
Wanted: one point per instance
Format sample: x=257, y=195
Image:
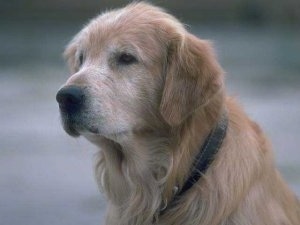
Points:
x=134, y=69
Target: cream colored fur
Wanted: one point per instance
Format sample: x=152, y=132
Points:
x=150, y=118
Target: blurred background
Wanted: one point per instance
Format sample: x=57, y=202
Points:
x=46, y=177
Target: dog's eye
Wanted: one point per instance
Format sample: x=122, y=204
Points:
x=126, y=59
x=80, y=58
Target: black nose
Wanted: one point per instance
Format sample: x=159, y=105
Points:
x=70, y=98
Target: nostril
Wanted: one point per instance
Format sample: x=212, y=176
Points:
x=70, y=97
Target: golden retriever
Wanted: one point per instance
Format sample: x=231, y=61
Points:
x=148, y=93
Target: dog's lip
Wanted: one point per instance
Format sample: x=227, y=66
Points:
x=69, y=124
x=93, y=130
x=71, y=130
x=76, y=128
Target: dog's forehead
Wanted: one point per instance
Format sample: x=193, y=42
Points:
x=116, y=24
x=136, y=21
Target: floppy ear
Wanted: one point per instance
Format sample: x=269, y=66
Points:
x=193, y=77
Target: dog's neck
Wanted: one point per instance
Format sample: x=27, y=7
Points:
x=138, y=171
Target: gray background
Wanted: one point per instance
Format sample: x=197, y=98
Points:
x=46, y=177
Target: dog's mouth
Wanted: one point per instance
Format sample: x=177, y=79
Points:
x=72, y=132
x=75, y=127
x=69, y=125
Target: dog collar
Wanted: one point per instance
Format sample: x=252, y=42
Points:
x=204, y=158
x=207, y=153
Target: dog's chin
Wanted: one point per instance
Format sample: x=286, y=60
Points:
x=76, y=130
x=99, y=137
x=112, y=135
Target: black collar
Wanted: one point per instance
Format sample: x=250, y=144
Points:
x=207, y=153
x=204, y=158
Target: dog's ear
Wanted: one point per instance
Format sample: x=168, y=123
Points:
x=193, y=76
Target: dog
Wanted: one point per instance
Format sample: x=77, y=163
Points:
x=175, y=149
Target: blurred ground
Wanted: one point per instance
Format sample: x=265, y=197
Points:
x=46, y=177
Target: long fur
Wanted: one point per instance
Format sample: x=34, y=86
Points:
x=140, y=170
